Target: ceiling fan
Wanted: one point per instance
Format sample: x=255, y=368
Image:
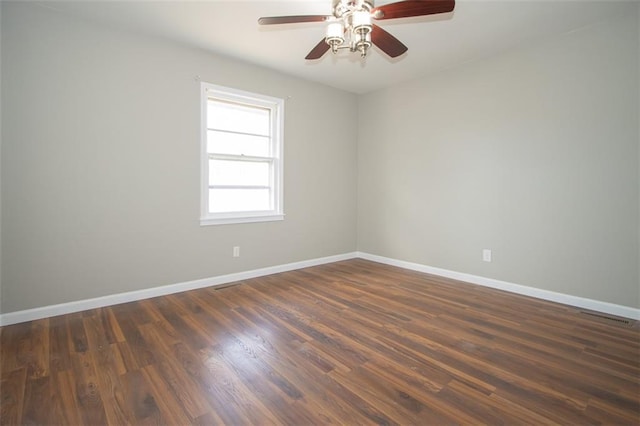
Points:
x=351, y=27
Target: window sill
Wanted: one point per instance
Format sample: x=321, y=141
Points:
x=240, y=219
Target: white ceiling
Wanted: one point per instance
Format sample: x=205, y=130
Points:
x=474, y=30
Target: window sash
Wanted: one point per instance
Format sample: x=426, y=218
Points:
x=227, y=105
x=271, y=162
x=257, y=198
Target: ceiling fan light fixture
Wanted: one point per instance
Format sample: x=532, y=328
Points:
x=360, y=28
x=335, y=35
x=363, y=43
x=361, y=22
x=351, y=28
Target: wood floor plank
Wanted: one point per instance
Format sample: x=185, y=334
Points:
x=352, y=342
x=37, y=406
x=59, y=353
x=230, y=398
x=64, y=400
x=169, y=406
x=12, y=398
x=108, y=368
x=171, y=371
x=140, y=399
x=77, y=334
x=97, y=338
x=87, y=390
x=38, y=349
x=392, y=403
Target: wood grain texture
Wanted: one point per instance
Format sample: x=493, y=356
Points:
x=353, y=342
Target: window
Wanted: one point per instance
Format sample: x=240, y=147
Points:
x=241, y=156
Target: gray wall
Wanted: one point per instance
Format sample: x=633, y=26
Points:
x=100, y=164
x=533, y=154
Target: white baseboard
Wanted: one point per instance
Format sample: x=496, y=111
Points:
x=580, y=302
x=131, y=296
x=114, y=299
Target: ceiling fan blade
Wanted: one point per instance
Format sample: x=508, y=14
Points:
x=408, y=8
x=386, y=42
x=273, y=20
x=317, y=52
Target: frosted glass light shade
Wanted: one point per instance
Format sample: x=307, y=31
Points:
x=361, y=22
x=335, y=33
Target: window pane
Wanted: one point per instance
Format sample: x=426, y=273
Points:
x=229, y=172
x=237, y=118
x=239, y=200
x=237, y=144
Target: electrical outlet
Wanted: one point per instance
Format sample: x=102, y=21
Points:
x=236, y=251
x=486, y=255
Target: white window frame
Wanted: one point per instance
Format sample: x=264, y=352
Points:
x=276, y=106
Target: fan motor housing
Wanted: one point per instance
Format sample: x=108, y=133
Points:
x=342, y=7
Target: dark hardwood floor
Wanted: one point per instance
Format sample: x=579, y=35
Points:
x=353, y=342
